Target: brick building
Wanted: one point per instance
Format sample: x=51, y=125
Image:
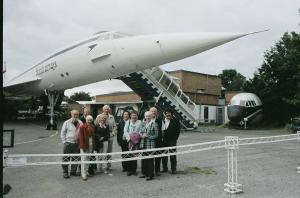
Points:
x=127, y=97
x=117, y=100
x=203, y=89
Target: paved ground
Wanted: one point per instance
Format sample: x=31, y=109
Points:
x=266, y=170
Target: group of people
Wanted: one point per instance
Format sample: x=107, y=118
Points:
x=84, y=135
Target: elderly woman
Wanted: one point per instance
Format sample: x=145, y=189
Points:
x=149, y=134
x=86, y=145
x=110, y=121
x=102, y=135
x=132, y=129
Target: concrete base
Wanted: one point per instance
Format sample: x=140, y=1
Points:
x=233, y=188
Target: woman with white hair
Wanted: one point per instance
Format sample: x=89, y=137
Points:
x=102, y=136
x=131, y=133
x=149, y=134
x=86, y=145
x=112, y=126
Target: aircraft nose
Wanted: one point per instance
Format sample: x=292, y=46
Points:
x=235, y=113
x=182, y=45
x=147, y=51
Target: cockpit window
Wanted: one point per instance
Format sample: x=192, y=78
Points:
x=104, y=36
x=112, y=35
x=117, y=35
x=250, y=103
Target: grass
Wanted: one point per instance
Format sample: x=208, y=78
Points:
x=201, y=170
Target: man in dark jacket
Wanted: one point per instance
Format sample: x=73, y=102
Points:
x=170, y=134
x=122, y=142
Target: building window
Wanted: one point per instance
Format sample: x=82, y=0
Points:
x=205, y=114
x=200, y=90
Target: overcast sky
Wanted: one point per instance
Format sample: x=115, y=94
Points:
x=33, y=29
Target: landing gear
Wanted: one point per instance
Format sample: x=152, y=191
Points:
x=52, y=97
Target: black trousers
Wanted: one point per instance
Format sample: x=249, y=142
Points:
x=125, y=163
x=92, y=167
x=148, y=166
x=132, y=164
x=68, y=149
x=157, y=160
x=172, y=158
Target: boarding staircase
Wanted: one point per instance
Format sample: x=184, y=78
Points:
x=155, y=84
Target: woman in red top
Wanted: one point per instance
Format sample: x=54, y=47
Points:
x=86, y=144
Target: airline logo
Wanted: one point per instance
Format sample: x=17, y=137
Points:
x=46, y=68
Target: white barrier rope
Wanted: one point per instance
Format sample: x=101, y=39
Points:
x=270, y=139
x=56, y=159
x=231, y=143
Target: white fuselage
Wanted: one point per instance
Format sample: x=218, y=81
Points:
x=110, y=54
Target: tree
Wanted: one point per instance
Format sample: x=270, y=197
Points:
x=277, y=82
x=81, y=96
x=232, y=80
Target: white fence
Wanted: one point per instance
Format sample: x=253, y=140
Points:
x=230, y=143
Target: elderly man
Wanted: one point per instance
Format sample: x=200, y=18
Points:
x=158, y=144
x=110, y=121
x=69, y=137
x=86, y=112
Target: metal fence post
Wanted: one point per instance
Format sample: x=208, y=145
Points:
x=298, y=137
x=232, y=186
x=6, y=187
x=5, y=158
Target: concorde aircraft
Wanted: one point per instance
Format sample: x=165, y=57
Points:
x=107, y=55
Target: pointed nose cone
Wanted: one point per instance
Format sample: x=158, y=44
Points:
x=182, y=45
x=147, y=51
